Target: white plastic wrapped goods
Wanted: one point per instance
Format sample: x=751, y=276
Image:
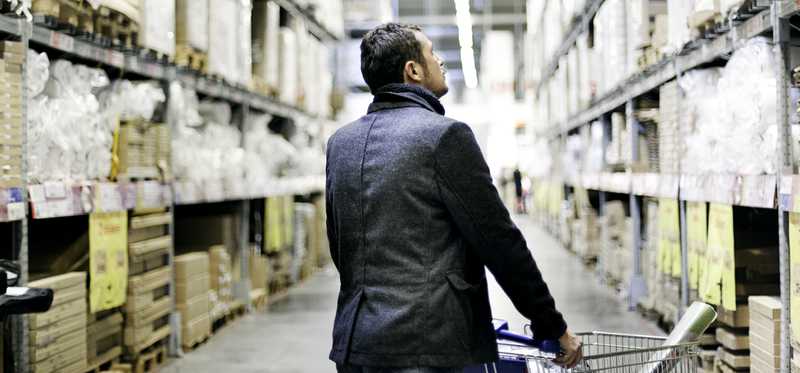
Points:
x=726, y=6
x=244, y=50
x=733, y=130
x=611, y=32
x=702, y=11
x=679, y=32
x=38, y=71
x=266, y=24
x=129, y=8
x=157, y=29
x=127, y=100
x=222, y=42
x=288, y=66
x=69, y=139
x=191, y=23
x=594, y=157
x=585, y=85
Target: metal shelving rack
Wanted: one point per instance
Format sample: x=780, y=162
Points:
x=776, y=192
x=17, y=210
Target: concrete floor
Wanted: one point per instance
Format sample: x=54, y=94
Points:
x=295, y=335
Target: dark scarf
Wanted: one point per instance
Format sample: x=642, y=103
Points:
x=397, y=95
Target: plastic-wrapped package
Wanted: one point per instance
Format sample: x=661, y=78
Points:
x=730, y=129
x=222, y=39
x=69, y=137
x=127, y=100
x=678, y=26
x=157, y=29
x=191, y=23
x=288, y=66
x=38, y=71
x=572, y=157
x=266, y=23
x=593, y=161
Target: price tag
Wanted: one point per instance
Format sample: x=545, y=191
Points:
x=115, y=58
x=16, y=211
x=62, y=41
x=697, y=240
x=108, y=260
x=55, y=190
x=794, y=260
x=669, y=243
x=36, y=193
x=720, y=284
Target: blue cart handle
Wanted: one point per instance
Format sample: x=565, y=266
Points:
x=547, y=345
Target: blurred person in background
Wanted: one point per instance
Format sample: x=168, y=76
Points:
x=413, y=219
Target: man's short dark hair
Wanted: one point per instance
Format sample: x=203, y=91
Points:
x=385, y=51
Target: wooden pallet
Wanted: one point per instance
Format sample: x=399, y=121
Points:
x=195, y=344
x=235, y=310
x=115, y=29
x=191, y=58
x=105, y=361
x=71, y=16
x=258, y=299
x=151, y=360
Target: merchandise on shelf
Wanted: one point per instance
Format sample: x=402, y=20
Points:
x=192, y=279
x=617, y=253
x=191, y=24
x=221, y=281
x=104, y=337
x=149, y=300
x=157, y=26
x=288, y=84
x=229, y=39
x=266, y=26
x=730, y=130
x=679, y=32
x=611, y=42
x=11, y=56
x=765, y=333
x=58, y=337
x=70, y=137
x=669, y=134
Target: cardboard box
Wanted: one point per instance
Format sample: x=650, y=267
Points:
x=43, y=337
x=769, y=307
x=189, y=289
x=732, y=340
x=58, y=313
x=739, y=318
x=735, y=359
x=68, y=280
x=46, y=351
x=194, y=308
x=191, y=265
x=766, y=329
x=196, y=330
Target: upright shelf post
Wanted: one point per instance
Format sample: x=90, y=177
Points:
x=638, y=287
x=780, y=36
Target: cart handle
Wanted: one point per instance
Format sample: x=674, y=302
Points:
x=547, y=345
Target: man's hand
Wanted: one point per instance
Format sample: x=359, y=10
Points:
x=571, y=350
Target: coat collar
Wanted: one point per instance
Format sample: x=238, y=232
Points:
x=397, y=95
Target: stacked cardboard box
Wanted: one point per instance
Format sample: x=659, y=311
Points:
x=586, y=234
x=732, y=334
x=192, y=298
x=221, y=280
x=157, y=26
x=12, y=55
x=259, y=277
x=149, y=295
x=137, y=150
x=617, y=254
x=669, y=146
x=58, y=337
x=104, y=337
x=765, y=334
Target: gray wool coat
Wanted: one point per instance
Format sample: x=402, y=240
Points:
x=413, y=219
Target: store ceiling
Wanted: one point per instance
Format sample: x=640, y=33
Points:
x=438, y=18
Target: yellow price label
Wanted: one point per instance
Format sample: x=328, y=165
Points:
x=720, y=282
x=669, y=243
x=697, y=239
x=108, y=260
x=794, y=260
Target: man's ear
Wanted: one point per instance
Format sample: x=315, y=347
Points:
x=412, y=72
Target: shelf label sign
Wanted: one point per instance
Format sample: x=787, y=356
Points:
x=794, y=260
x=720, y=279
x=697, y=241
x=108, y=260
x=669, y=243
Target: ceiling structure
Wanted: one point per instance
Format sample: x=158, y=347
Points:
x=438, y=19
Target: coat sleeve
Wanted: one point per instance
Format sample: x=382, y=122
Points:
x=479, y=213
x=330, y=211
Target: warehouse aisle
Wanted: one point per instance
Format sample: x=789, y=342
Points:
x=295, y=336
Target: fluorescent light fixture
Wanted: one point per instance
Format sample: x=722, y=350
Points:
x=464, y=23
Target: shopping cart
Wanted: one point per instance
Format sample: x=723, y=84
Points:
x=602, y=352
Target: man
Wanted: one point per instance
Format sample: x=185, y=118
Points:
x=413, y=218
